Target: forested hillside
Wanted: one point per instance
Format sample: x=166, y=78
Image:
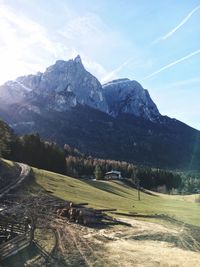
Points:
x=6, y=139
x=31, y=149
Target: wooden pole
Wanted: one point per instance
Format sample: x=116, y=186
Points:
x=138, y=192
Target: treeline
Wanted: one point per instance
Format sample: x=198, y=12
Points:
x=31, y=149
x=79, y=165
x=190, y=183
x=6, y=139
x=152, y=179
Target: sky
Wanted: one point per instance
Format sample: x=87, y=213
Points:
x=154, y=42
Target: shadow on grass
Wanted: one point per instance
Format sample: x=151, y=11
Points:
x=150, y=216
x=105, y=187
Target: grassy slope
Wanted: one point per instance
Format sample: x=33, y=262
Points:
x=104, y=194
x=7, y=163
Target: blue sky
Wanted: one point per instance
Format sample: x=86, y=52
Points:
x=154, y=42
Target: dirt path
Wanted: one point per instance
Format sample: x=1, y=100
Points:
x=134, y=243
x=76, y=250
x=24, y=173
x=143, y=244
x=150, y=244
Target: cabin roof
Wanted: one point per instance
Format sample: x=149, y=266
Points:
x=113, y=172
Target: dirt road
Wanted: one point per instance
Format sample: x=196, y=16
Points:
x=150, y=245
x=142, y=244
x=24, y=173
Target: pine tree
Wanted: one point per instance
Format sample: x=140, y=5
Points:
x=98, y=173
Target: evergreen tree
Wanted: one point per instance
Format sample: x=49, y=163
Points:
x=6, y=139
x=98, y=173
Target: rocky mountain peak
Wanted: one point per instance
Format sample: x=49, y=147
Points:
x=63, y=85
x=78, y=59
x=126, y=96
x=67, y=84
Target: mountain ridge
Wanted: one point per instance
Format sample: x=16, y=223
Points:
x=67, y=83
x=117, y=120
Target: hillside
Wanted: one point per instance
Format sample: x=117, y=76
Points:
x=114, y=194
x=146, y=232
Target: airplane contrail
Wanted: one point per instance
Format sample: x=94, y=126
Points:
x=113, y=73
x=173, y=63
x=178, y=26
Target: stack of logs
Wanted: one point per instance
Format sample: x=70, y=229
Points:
x=79, y=214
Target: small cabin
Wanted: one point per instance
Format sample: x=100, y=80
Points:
x=113, y=175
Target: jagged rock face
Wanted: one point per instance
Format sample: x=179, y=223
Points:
x=12, y=92
x=67, y=84
x=62, y=86
x=65, y=103
x=16, y=91
x=125, y=96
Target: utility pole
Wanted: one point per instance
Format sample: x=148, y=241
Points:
x=136, y=181
x=138, y=188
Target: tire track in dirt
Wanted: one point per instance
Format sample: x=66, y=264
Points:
x=78, y=246
x=72, y=249
x=74, y=246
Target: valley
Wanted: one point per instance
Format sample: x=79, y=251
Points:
x=99, y=133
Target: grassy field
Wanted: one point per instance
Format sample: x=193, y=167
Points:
x=111, y=194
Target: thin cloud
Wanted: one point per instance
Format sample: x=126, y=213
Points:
x=169, y=34
x=183, y=83
x=24, y=45
x=113, y=74
x=172, y=64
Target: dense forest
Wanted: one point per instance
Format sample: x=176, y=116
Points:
x=31, y=149
x=6, y=139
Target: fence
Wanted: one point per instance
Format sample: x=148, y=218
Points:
x=23, y=238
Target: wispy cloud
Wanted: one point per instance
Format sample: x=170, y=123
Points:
x=95, y=41
x=170, y=33
x=184, y=83
x=24, y=44
x=113, y=74
x=27, y=46
x=173, y=63
x=89, y=34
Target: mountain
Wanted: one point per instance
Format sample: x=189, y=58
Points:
x=62, y=86
x=117, y=120
x=125, y=96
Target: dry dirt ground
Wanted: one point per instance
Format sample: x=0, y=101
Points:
x=128, y=242
x=150, y=244
x=141, y=243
